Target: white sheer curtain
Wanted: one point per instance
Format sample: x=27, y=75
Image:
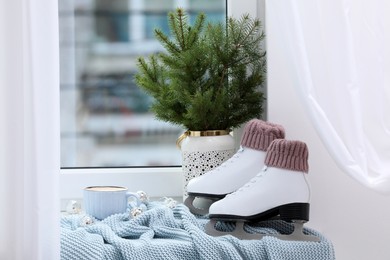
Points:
x=340, y=56
x=29, y=132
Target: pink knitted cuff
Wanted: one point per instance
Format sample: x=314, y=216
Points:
x=287, y=154
x=259, y=134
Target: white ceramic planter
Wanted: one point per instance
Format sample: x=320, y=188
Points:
x=203, y=151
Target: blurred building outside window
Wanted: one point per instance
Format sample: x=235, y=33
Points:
x=105, y=117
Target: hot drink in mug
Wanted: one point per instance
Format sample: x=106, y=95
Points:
x=103, y=201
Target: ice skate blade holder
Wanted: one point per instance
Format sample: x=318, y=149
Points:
x=240, y=233
x=296, y=213
x=189, y=202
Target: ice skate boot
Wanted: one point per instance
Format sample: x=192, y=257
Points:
x=236, y=171
x=280, y=189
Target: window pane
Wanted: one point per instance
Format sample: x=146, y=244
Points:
x=105, y=118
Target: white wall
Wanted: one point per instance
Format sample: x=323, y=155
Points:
x=354, y=218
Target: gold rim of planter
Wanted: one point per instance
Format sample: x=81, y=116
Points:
x=200, y=133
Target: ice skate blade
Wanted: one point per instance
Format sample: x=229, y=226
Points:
x=240, y=233
x=189, y=202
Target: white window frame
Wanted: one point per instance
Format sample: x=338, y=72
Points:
x=157, y=182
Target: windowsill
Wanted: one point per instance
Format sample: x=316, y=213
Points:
x=156, y=182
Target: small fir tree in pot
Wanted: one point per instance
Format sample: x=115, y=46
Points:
x=207, y=81
x=210, y=74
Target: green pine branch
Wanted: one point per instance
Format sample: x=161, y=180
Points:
x=210, y=76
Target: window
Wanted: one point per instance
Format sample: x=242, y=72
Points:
x=105, y=118
x=103, y=114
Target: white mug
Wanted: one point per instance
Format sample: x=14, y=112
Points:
x=103, y=201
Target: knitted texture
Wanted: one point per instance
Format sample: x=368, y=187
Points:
x=287, y=154
x=259, y=134
x=164, y=233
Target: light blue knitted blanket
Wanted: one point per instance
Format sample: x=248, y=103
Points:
x=164, y=233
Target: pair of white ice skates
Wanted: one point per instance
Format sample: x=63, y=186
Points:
x=266, y=178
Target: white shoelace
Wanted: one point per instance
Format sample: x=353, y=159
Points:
x=255, y=179
x=230, y=160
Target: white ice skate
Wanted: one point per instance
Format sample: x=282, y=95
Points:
x=280, y=189
x=235, y=172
